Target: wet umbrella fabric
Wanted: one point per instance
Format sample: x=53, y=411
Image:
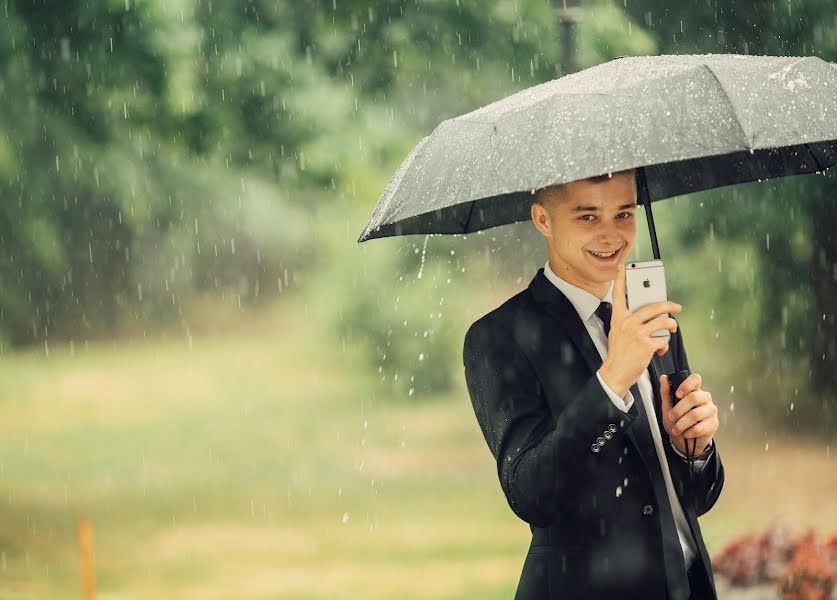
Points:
x=693, y=122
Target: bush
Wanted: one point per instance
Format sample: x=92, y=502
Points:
x=401, y=302
x=798, y=564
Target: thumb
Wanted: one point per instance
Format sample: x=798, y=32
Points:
x=619, y=305
x=665, y=393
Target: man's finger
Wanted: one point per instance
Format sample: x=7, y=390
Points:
x=690, y=419
x=661, y=322
x=665, y=394
x=619, y=304
x=689, y=403
x=660, y=345
x=691, y=383
x=651, y=311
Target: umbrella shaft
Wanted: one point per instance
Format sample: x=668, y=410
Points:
x=645, y=199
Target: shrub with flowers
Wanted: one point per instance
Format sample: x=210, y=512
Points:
x=801, y=566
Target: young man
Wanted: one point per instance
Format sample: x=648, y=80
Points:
x=571, y=397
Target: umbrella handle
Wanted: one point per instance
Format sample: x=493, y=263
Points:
x=674, y=380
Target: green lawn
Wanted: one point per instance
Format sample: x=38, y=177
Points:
x=258, y=462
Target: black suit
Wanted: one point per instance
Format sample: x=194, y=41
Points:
x=601, y=522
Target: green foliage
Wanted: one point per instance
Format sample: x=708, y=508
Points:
x=124, y=139
x=605, y=32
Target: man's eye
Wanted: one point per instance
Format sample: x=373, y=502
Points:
x=584, y=217
x=625, y=215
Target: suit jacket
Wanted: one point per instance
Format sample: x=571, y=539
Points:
x=601, y=520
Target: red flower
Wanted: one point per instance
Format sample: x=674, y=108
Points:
x=802, y=567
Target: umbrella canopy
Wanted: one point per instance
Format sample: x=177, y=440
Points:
x=692, y=122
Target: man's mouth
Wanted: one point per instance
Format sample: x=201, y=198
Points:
x=605, y=257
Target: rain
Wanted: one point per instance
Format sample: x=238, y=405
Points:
x=242, y=244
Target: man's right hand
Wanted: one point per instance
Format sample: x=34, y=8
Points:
x=630, y=344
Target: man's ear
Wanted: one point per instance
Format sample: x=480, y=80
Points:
x=540, y=219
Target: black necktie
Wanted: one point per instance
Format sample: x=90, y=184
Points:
x=604, y=312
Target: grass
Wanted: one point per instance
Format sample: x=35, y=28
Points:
x=258, y=461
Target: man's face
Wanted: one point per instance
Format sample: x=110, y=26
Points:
x=590, y=229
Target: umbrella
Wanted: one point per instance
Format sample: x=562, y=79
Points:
x=686, y=123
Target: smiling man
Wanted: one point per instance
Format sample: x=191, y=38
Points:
x=568, y=388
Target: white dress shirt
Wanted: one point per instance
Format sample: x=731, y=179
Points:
x=586, y=304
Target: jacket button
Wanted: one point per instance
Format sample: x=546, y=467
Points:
x=648, y=510
x=601, y=441
x=595, y=448
x=612, y=428
x=607, y=435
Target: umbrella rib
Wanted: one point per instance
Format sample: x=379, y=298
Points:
x=510, y=113
x=468, y=218
x=747, y=143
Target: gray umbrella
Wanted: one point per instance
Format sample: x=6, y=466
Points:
x=692, y=122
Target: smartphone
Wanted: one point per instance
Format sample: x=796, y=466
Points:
x=645, y=283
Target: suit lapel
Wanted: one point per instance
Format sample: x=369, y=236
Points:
x=574, y=329
x=558, y=306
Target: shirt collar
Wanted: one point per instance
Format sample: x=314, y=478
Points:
x=583, y=301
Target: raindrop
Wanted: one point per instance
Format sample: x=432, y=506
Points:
x=345, y=518
x=423, y=254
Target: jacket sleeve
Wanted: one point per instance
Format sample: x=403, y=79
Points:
x=709, y=480
x=539, y=456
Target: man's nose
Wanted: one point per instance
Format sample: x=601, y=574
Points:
x=609, y=234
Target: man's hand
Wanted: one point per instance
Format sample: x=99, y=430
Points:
x=630, y=345
x=694, y=417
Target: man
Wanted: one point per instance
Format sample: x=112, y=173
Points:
x=577, y=413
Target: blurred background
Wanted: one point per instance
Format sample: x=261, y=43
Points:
x=198, y=359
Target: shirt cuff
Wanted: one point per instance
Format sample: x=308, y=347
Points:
x=698, y=463
x=623, y=404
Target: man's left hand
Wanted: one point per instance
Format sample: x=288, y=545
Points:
x=694, y=417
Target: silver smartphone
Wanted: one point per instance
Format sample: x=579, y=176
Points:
x=645, y=283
